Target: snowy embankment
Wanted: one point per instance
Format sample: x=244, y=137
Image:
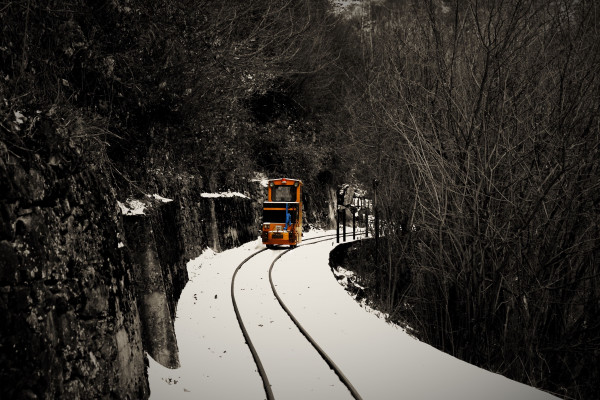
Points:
x=381, y=360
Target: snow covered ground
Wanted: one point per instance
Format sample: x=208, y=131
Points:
x=381, y=360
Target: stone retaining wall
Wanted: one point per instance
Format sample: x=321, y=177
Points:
x=74, y=279
x=70, y=321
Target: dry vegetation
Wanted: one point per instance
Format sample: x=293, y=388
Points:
x=481, y=119
x=214, y=89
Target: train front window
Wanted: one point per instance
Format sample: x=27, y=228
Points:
x=283, y=193
x=278, y=216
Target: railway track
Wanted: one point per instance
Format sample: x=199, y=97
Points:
x=260, y=368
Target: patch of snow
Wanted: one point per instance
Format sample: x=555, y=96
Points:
x=160, y=198
x=346, y=277
x=132, y=207
x=193, y=266
x=120, y=245
x=19, y=117
x=261, y=178
x=342, y=5
x=224, y=194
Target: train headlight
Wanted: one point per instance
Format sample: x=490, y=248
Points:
x=267, y=226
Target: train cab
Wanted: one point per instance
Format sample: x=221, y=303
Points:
x=282, y=213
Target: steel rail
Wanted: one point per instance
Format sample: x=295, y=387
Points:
x=261, y=370
x=308, y=337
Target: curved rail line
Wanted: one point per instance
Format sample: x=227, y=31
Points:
x=255, y=356
x=324, y=355
x=259, y=365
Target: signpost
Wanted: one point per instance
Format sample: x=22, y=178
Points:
x=348, y=199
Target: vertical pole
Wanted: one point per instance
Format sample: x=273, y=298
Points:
x=337, y=217
x=344, y=223
x=353, y=224
x=376, y=235
x=376, y=212
x=366, y=219
x=337, y=224
x=360, y=206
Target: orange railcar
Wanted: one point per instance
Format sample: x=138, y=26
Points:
x=282, y=213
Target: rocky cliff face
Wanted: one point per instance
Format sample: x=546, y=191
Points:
x=70, y=321
x=217, y=222
x=83, y=288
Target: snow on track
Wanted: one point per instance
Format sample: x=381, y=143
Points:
x=215, y=360
x=294, y=368
x=380, y=359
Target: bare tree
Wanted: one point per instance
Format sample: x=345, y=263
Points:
x=486, y=134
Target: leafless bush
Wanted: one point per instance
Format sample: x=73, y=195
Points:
x=487, y=137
